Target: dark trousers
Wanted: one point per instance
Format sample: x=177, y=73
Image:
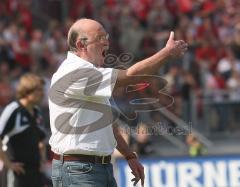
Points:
x=31, y=178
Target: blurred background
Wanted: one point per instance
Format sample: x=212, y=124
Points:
x=205, y=83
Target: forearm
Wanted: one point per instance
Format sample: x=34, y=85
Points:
x=149, y=65
x=122, y=145
x=4, y=157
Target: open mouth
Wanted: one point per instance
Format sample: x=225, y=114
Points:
x=104, y=53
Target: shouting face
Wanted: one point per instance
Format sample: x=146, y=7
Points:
x=97, y=46
x=92, y=40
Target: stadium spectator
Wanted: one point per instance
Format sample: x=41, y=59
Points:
x=196, y=148
x=141, y=143
x=21, y=49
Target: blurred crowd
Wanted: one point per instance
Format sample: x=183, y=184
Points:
x=210, y=69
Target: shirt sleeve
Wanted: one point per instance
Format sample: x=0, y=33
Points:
x=97, y=82
x=7, y=121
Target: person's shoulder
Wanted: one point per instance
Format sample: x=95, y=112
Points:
x=10, y=108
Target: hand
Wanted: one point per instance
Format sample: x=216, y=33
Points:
x=17, y=167
x=137, y=171
x=176, y=48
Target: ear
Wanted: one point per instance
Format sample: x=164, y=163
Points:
x=81, y=45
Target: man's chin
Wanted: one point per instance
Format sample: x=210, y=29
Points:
x=101, y=62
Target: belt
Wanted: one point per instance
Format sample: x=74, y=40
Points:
x=84, y=158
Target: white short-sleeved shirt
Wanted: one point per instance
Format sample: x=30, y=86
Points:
x=78, y=97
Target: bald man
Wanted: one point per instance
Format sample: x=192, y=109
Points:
x=84, y=134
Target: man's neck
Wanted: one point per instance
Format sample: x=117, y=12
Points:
x=81, y=55
x=85, y=57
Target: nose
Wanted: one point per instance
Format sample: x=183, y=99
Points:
x=106, y=42
x=105, y=39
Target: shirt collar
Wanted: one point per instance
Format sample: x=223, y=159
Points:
x=72, y=57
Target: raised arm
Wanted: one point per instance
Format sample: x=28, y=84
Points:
x=152, y=64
